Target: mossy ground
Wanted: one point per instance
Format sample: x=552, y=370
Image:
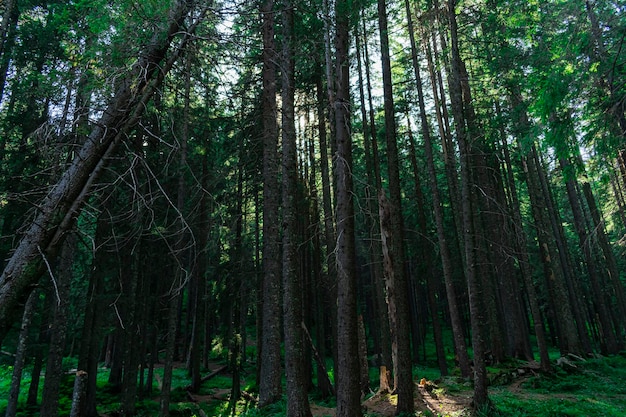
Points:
x=594, y=388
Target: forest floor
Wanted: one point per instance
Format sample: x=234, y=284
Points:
x=579, y=388
x=430, y=400
x=592, y=387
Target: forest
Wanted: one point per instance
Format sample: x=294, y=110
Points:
x=309, y=207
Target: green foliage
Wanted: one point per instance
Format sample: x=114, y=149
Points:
x=5, y=385
x=595, y=389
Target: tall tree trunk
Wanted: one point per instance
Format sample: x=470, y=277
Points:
x=320, y=277
x=348, y=386
x=569, y=341
x=399, y=294
x=199, y=272
x=473, y=286
x=379, y=283
x=328, y=292
x=270, y=375
x=371, y=220
x=615, y=288
x=297, y=394
x=9, y=10
x=608, y=339
x=62, y=204
x=522, y=244
x=431, y=283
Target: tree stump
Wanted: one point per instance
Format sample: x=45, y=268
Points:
x=78, y=397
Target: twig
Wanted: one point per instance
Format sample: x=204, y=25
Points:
x=54, y=282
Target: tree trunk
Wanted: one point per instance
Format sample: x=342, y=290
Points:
x=473, y=286
x=297, y=394
x=54, y=366
x=20, y=354
x=399, y=284
x=320, y=277
x=608, y=339
x=7, y=39
x=598, y=233
x=170, y=342
x=9, y=10
x=38, y=347
x=348, y=386
x=569, y=340
x=130, y=299
x=270, y=389
x=328, y=291
x=78, y=396
x=199, y=272
x=371, y=220
x=431, y=282
x=376, y=181
x=62, y=204
x=522, y=244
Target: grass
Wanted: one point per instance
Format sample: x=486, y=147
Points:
x=594, y=388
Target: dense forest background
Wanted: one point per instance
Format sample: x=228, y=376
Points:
x=313, y=188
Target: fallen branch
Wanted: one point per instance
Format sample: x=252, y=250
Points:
x=214, y=373
x=318, y=359
x=209, y=376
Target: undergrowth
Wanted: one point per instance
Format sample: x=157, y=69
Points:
x=594, y=388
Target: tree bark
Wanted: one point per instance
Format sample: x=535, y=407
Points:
x=199, y=272
x=78, y=396
x=319, y=276
x=348, y=381
x=432, y=178
x=54, y=365
x=296, y=383
x=399, y=294
x=473, y=285
x=376, y=183
x=522, y=242
x=608, y=339
x=270, y=376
